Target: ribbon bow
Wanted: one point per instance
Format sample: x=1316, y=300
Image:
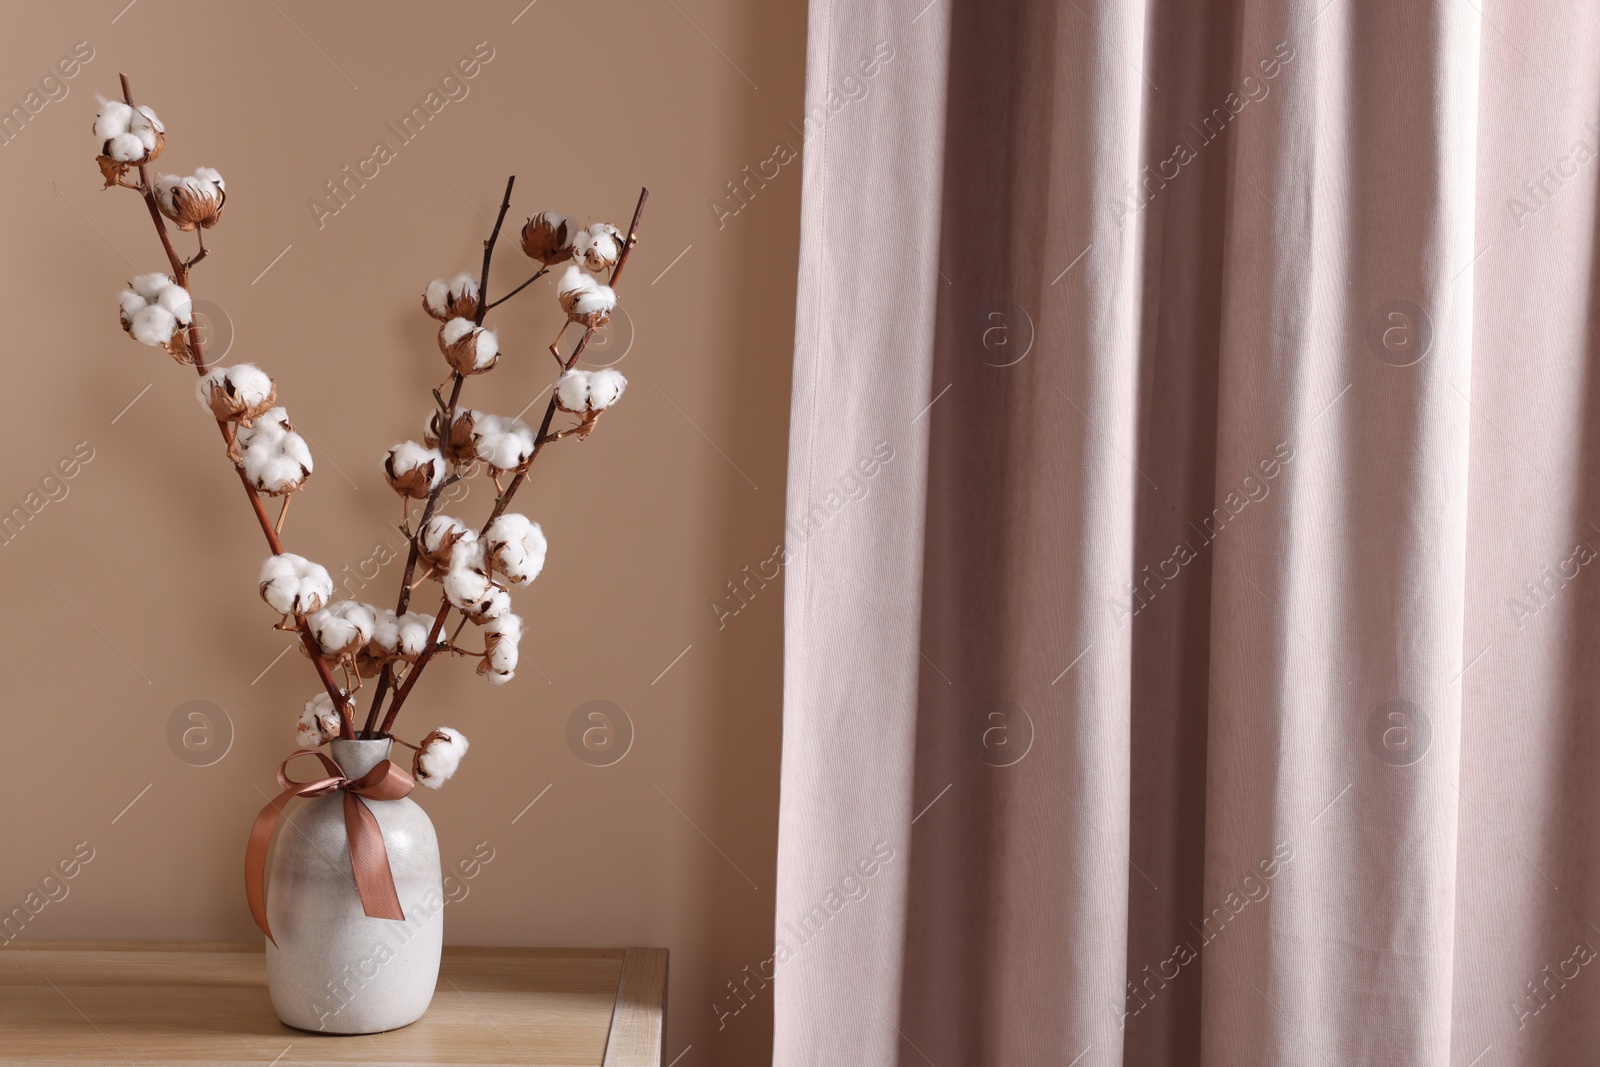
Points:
x=369, y=860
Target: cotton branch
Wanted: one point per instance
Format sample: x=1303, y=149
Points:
x=543, y=436
x=446, y=426
x=180, y=274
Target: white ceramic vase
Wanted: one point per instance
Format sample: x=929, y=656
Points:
x=335, y=970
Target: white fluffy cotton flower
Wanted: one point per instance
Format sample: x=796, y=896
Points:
x=385, y=634
x=343, y=627
x=402, y=637
x=438, y=538
x=466, y=588
x=236, y=394
x=585, y=300
x=152, y=310
x=293, y=585
x=445, y=300
x=411, y=635
x=412, y=470
x=494, y=604
x=319, y=722
x=518, y=546
x=128, y=136
x=501, y=441
x=469, y=349
x=501, y=636
x=467, y=584
x=598, y=246
x=439, y=757
x=192, y=201
x=276, y=459
x=579, y=391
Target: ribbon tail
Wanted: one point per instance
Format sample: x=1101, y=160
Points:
x=255, y=859
x=369, y=861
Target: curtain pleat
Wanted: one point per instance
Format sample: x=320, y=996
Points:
x=1189, y=598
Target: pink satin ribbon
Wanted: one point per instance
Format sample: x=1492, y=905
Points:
x=369, y=860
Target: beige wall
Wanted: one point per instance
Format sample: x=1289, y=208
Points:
x=134, y=593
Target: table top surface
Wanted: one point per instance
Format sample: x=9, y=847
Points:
x=78, y=1003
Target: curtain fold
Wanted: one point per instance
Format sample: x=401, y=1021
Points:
x=1189, y=602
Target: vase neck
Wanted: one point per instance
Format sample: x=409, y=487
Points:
x=356, y=758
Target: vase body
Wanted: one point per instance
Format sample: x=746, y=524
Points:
x=334, y=969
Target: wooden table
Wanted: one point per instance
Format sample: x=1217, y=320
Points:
x=103, y=1003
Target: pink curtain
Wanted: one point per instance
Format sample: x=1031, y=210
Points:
x=1192, y=594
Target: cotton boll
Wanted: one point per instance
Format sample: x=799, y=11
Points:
x=319, y=721
x=385, y=634
x=598, y=247
x=457, y=297
x=270, y=425
x=507, y=627
x=128, y=137
x=250, y=383
x=502, y=442
x=469, y=587
x=585, y=300
x=492, y=605
x=580, y=391
x=488, y=352
x=152, y=308
x=342, y=627
x=518, y=547
x=439, y=757
x=412, y=630
x=572, y=391
x=605, y=388
x=593, y=306
x=276, y=461
x=294, y=585
x=438, y=537
x=381, y=647
x=193, y=201
x=466, y=588
x=469, y=349
x=501, y=637
x=236, y=394
x=548, y=238
x=412, y=470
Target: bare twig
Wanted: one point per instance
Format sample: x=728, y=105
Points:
x=542, y=271
x=204, y=251
x=180, y=274
x=488, y=253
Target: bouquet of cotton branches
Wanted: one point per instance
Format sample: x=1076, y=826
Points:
x=350, y=643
